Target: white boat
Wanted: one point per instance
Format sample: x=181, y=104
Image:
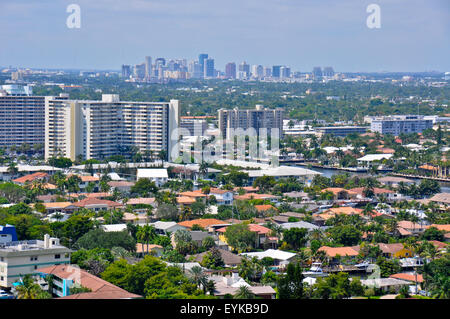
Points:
x=364, y=264
x=315, y=271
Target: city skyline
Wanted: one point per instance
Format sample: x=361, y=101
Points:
x=329, y=33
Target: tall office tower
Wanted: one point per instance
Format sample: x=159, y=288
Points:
x=139, y=71
x=257, y=118
x=230, y=70
x=22, y=116
x=148, y=67
x=285, y=72
x=201, y=59
x=209, y=68
x=126, y=71
x=276, y=71
x=317, y=72
x=257, y=71
x=195, y=70
x=244, y=69
x=267, y=71
x=99, y=129
x=328, y=71
x=398, y=124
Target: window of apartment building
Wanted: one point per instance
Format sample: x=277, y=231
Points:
x=57, y=256
x=2, y=259
x=2, y=278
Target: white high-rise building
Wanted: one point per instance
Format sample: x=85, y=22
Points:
x=21, y=116
x=99, y=129
x=257, y=118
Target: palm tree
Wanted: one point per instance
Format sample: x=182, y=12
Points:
x=162, y=156
x=203, y=169
x=244, y=292
x=12, y=168
x=198, y=277
x=28, y=289
x=146, y=233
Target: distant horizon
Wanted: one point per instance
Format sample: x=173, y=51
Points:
x=222, y=70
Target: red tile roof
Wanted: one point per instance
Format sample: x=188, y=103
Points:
x=263, y=208
x=341, y=251
x=407, y=277
x=100, y=289
x=249, y=196
x=95, y=202
x=252, y=227
x=30, y=177
x=207, y=222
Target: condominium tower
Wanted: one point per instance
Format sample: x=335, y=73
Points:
x=258, y=118
x=22, y=116
x=99, y=129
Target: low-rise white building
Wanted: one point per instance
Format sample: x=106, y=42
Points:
x=158, y=175
x=19, y=258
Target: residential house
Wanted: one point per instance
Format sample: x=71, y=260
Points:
x=152, y=249
x=333, y=254
x=410, y=227
x=166, y=228
x=378, y=192
x=96, y=204
x=230, y=260
x=59, y=207
x=264, y=209
x=209, y=224
x=121, y=186
x=38, y=176
x=250, y=196
x=68, y=276
x=223, y=197
x=394, y=181
x=340, y=193
x=196, y=235
x=135, y=218
x=281, y=258
x=157, y=175
x=397, y=250
x=385, y=284
x=229, y=285
x=263, y=235
x=300, y=224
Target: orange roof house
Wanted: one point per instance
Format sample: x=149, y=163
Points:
x=100, y=289
x=407, y=277
x=30, y=177
x=253, y=228
x=185, y=200
x=376, y=190
x=250, y=196
x=97, y=203
x=341, y=251
x=264, y=208
x=443, y=227
x=204, y=223
x=340, y=193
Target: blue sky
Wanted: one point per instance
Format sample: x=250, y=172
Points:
x=414, y=34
